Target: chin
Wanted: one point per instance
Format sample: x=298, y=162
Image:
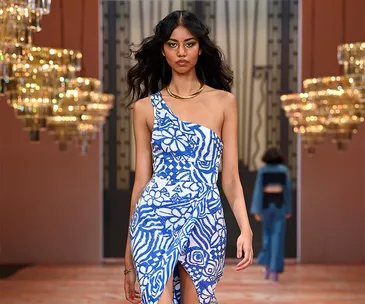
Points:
x=183, y=70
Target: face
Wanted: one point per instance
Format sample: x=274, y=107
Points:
x=181, y=50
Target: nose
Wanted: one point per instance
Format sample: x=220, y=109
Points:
x=181, y=51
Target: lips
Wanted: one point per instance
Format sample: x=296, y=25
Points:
x=182, y=62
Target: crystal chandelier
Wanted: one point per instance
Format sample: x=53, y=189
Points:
x=42, y=79
x=80, y=114
x=33, y=78
x=306, y=117
x=336, y=103
x=341, y=100
x=41, y=83
x=19, y=19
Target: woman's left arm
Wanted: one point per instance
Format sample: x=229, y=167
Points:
x=231, y=181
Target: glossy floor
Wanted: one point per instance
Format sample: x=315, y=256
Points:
x=301, y=284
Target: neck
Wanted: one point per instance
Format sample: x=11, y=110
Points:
x=184, y=84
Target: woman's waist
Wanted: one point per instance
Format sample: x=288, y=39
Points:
x=163, y=178
x=197, y=167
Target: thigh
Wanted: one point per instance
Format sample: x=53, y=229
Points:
x=166, y=297
x=188, y=289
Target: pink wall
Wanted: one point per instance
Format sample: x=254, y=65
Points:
x=332, y=226
x=50, y=202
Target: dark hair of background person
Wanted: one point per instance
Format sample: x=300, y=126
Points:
x=273, y=156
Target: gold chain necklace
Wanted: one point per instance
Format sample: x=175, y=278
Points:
x=185, y=97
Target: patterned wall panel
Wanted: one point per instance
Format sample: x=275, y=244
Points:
x=274, y=79
x=123, y=64
x=116, y=63
x=106, y=143
x=282, y=77
x=293, y=84
x=116, y=31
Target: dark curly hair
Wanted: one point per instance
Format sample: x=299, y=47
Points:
x=273, y=156
x=151, y=73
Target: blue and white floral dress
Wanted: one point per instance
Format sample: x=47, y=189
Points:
x=179, y=216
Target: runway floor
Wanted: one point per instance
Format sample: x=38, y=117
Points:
x=301, y=284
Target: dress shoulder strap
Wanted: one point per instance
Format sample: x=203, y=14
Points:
x=155, y=99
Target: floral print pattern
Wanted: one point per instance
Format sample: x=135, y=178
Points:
x=179, y=216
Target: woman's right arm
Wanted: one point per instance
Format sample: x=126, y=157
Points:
x=143, y=161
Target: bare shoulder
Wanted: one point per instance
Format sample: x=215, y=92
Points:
x=143, y=105
x=143, y=111
x=225, y=100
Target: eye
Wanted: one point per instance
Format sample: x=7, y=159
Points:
x=190, y=44
x=171, y=44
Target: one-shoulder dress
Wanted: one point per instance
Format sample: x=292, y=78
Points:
x=179, y=216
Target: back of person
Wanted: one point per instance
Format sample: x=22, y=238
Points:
x=275, y=184
x=271, y=204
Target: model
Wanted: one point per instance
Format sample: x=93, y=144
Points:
x=185, y=122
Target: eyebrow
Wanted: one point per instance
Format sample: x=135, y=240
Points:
x=184, y=40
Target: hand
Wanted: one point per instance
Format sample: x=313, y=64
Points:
x=244, y=244
x=288, y=216
x=257, y=217
x=131, y=292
